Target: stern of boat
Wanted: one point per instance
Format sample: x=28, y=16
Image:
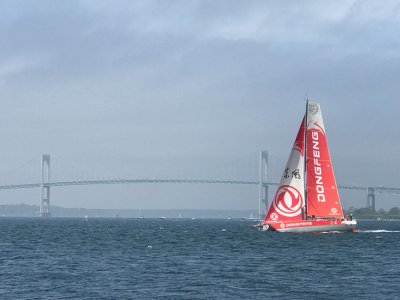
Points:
x=351, y=225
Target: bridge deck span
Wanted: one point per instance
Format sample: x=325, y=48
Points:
x=379, y=189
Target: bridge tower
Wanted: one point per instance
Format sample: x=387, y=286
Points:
x=262, y=184
x=371, y=199
x=45, y=187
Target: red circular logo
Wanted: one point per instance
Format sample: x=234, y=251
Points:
x=288, y=201
x=274, y=216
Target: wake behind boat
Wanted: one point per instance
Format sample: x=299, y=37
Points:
x=307, y=198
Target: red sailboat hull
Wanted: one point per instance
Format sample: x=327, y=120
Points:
x=319, y=225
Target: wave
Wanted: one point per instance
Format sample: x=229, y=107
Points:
x=379, y=231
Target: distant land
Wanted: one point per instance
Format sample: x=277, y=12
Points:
x=25, y=210
x=381, y=214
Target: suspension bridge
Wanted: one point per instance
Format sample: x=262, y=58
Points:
x=258, y=169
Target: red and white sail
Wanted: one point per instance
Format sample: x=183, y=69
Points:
x=307, y=198
x=322, y=193
x=289, y=201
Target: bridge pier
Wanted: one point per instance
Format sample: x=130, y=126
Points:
x=262, y=184
x=371, y=199
x=45, y=187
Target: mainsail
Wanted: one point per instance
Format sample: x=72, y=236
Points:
x=288, y=203
x=321, y=193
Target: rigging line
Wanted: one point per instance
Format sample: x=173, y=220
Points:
x=74, y=168
x=20, y=166
x=227, y=163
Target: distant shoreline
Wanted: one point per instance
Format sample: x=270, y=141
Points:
x=26, y=210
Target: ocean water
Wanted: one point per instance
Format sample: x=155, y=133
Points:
x=193, y=259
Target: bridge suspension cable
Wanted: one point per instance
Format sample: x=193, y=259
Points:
x=17, y=179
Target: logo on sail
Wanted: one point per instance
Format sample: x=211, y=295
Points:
x=274, y=216
x=313, y=108
x=288, y=201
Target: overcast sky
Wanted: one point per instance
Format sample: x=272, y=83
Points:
x=158, y=88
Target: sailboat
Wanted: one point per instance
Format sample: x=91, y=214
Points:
x=307, y=198
x=251, y=217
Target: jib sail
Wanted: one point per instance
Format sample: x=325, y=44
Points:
x=288, y=203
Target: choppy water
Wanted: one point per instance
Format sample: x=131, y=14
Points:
x=193, y=259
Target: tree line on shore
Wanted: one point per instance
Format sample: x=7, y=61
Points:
x=368, y=213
